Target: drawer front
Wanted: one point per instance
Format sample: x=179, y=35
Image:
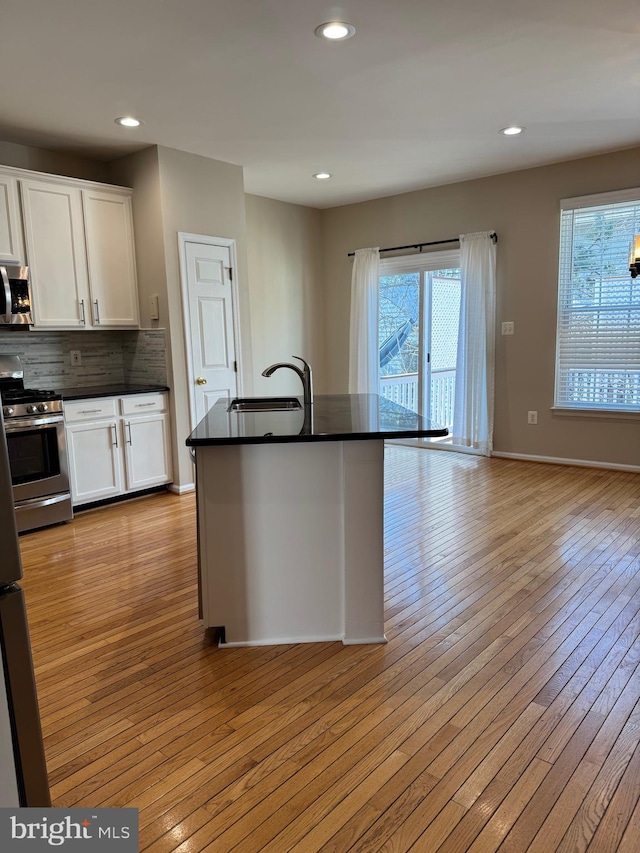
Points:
x=142, y=404
x=90, y=410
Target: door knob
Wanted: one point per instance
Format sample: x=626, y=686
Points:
x=201, y=380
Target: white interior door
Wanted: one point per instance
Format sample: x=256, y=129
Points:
x=208, y=296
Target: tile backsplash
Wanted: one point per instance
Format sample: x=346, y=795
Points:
x=107, y=357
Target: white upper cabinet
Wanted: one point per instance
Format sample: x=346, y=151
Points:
x=79, y=246
x=111, y=259
x=54, y=234
x=11, y=244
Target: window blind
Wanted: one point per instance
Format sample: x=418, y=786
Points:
x=598, y=339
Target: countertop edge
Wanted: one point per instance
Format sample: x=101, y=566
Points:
x=96, y=392
x=299, y=439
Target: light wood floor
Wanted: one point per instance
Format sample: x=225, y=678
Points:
x=504, y=712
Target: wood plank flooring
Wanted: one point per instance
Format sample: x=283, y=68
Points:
x=503, y=714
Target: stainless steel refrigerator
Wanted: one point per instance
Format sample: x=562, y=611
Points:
x=23, y=772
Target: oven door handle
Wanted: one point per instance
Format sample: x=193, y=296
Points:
x=35, y=423
x=7, y=294
x=46, y=501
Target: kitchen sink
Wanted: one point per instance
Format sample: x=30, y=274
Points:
x=264, y=404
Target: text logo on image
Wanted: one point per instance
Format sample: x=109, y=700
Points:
x=80, y=830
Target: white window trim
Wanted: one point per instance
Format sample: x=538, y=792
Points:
x=600, y=199
x=610, y=414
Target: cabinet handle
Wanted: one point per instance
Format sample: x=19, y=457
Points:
x=114, y=443
x=84, y=318
x=128, y=426
x=89, y=411
x=143, y=405
x=97, y=312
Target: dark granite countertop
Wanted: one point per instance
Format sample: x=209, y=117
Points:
x=115, y=390
x=334, y=417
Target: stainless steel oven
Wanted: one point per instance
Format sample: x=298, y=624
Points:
x=34, y=427
x=15, y=295
x=39, y=473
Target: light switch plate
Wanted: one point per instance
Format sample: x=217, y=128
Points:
x=507, y=328
x=154, y=308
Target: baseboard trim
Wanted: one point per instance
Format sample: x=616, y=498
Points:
x=181, y=490
x=523, y=457
x=365, y=641
x=434, y=445
x=280, y=641
x=578, y=463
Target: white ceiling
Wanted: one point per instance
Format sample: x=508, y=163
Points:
x=415, y=99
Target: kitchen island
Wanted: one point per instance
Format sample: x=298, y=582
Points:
x=290, y=518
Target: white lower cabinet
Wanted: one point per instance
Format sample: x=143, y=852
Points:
x=146, y=445
x=117, y=445
x=95, y=464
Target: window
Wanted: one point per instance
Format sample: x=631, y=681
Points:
x=418, y=332
x=598, y=340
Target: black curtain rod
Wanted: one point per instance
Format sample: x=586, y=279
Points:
x=420, y=246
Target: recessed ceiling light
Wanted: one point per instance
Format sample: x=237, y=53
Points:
x=128, y=121
x=322, y=176
x=512, y=130
x=335, y=31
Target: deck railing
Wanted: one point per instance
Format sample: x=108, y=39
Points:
x=403, y=389
x=602, y=387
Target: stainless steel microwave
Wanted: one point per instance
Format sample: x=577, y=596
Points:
x=15, y=295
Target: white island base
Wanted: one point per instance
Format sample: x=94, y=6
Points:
x=291, y=541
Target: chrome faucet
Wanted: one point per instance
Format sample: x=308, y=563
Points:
x=304, y=374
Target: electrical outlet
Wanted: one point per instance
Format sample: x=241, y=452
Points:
x=507, y=328
x=532, y=417
x=76, y=358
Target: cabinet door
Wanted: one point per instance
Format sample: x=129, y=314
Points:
x=95, y=469
x=147, y=451
x=111, y=259
x=54, y=235
x=11, y=244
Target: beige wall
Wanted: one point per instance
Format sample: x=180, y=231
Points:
x=523, y=208
x=53, y=162
x=286, y=290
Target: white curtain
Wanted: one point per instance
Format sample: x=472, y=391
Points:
x=473, y=410
x=363, y=340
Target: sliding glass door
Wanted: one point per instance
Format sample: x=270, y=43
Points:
x=418, y=332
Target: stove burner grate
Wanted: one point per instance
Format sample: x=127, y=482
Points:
x=27, y=395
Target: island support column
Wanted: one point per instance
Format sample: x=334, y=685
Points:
x=363, y=508
x=291, y=541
